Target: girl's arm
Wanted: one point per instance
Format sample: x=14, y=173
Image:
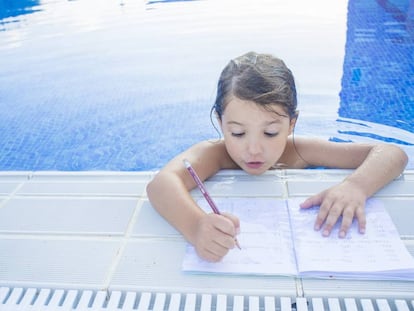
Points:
x=211, y=234
x=375, y=166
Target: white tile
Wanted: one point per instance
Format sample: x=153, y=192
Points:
x=6, y=188
x=74, y=263
x=397, y=188
x=150, y=223
x=316, y=174
x=64, y=230
x=408, y=175
x=156, y=265
x=244, y=185
x=10, y=181
x=66, y=215
x=15, y=176
x=83, y=188
x=86, y=183
x=91, y=176
x=307, y=188
x=401, y=211
x=298, y=187
x=312, y=181
x=350, y=288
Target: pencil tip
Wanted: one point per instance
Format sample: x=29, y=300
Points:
x=237, y=244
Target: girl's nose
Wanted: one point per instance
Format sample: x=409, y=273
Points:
x=254, y=147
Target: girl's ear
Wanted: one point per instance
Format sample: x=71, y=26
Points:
x=293, y=122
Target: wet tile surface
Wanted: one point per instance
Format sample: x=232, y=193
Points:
x=98, y=230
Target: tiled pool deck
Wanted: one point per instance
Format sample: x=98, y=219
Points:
x=97, y=231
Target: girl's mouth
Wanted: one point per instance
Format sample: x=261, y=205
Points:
x=254, y=165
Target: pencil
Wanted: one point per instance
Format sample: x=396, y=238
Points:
x=204, y=192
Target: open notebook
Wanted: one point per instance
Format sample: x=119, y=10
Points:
x=277, y=238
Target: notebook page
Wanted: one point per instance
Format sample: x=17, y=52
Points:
x=265, y=239
x=377, y=254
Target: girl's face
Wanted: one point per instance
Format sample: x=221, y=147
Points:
x=255, y=138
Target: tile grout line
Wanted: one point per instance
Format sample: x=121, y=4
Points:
x=13, y=193
x=284, y=179
x=298, y=281
x=124, y=241
x=58, y=236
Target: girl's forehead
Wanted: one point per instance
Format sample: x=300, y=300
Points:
x=240, y=107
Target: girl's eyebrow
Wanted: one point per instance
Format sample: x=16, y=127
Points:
x=234, y=122
x=276, y=121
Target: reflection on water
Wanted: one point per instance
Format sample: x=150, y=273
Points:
x=14, y=8
x=126, y=84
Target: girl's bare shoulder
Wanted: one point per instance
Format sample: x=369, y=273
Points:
x=207, y=157
x=213, y=151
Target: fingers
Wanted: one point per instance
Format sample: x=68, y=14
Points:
x=315, y=200
x=216, y=236
x=362, y=221
x=213, y=253
x=329, y=215
x=347, y=218
x=236, y=223
x=331, y=211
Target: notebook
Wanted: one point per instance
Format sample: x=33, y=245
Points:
x=277, y=238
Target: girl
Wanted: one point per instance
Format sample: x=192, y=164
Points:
x=256, y=111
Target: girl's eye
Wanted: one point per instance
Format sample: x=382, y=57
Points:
x=237, y=134
x=271, y=134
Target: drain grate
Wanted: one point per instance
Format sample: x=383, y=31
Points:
x=60, y=299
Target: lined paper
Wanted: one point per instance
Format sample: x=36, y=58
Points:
x=277, y=238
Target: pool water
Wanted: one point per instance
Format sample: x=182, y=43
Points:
x=124, y=85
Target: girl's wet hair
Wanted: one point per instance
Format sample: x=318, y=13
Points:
x=260, y=78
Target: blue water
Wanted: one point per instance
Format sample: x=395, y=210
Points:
x=125, y=85
x=378, y=74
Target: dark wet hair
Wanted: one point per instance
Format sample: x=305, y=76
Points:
x=260, y=78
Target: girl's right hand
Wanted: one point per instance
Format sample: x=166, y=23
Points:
x=216, y=236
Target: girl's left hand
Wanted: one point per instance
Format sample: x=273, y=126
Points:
x=344, y=199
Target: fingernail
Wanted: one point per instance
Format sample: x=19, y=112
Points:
x=317, y=227
x=342, y=234
x=325, y=233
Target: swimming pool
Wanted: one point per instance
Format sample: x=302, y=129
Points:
x=124, y=85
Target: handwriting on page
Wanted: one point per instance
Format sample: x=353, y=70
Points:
x=277, y=238
x=378, y=249
x=265, y=240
